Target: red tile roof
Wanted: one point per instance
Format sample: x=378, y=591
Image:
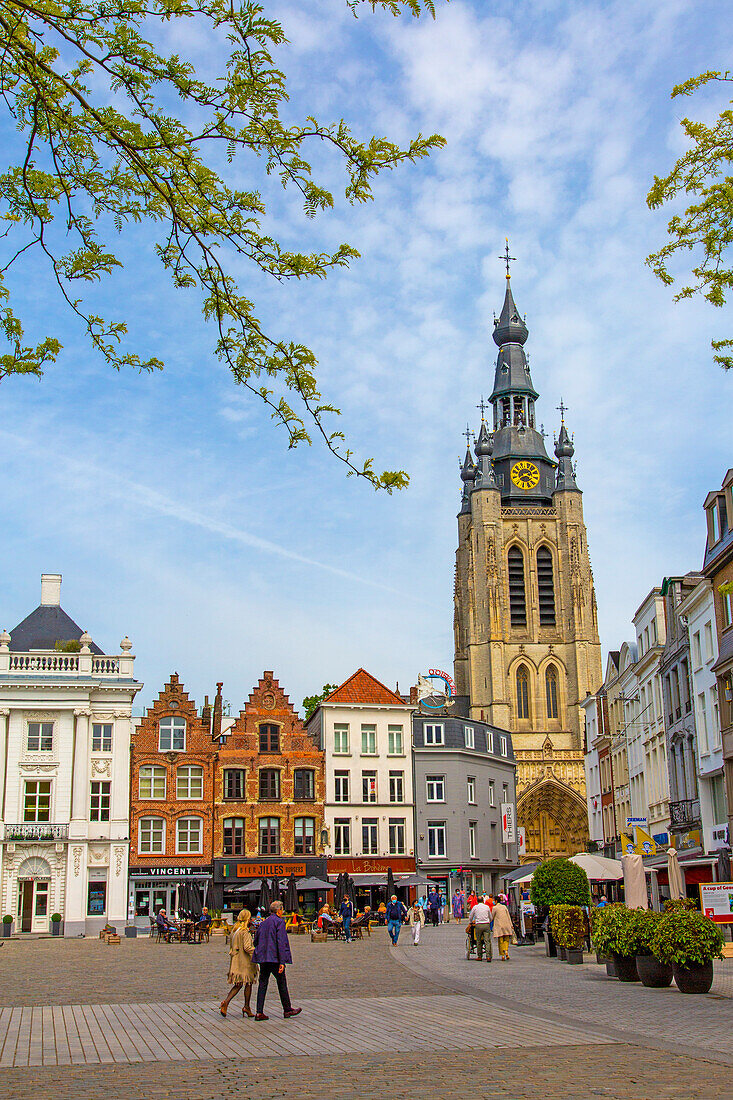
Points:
x=362, y=687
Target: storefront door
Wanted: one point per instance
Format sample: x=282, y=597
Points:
x=33, y=905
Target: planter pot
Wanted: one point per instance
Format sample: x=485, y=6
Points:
x=625, y=968
x=550, y=946
x=693, y=979
x=131, y=933
x=611, y=968
x=575, y=955
x=56, y=927
x=6, y=930
x=652, y=973
x=601, y=959
x=563, y=953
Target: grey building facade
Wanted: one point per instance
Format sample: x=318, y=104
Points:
x=463, y=771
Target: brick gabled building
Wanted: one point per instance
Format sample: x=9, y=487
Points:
x=270, y=790
x=173, y=757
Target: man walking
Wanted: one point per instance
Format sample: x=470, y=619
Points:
x=480, y=919
x=272, y=952
x=395, y=915
x=434, y=906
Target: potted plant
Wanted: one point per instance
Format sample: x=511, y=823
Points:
x=7, y=925
x=688, y=942
x=595, y=918
x=652, y=973
x=56, y=924
x=567, y=924
x=615, y=938
x=558, y=882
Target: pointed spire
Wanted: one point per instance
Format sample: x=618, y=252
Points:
x=468, y=477
x=509, y=328
x=485, y=441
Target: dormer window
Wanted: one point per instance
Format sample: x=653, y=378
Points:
x=172, y=734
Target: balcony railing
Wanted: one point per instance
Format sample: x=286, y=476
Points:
x=686, y=811
x=66, y=664
x=36, y=830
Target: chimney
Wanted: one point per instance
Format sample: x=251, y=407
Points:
x=206, y=711
x=413, y=696
x=50, y=589
x=216, y=721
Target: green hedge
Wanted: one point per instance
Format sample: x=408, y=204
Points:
x=687, y=939
x=559, y=882
x=567, y=926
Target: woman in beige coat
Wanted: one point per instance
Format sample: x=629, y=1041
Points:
x=242, y=970
x=503, y=928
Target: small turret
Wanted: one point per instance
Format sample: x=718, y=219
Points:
x=484, y=447
x=564, y=451
x=468, y=477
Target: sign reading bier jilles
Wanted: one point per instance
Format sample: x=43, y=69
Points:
x=270, y=870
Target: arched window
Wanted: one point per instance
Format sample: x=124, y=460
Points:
x=522, y=692
x=551, y=691
x=517, y=601
x=546, y=587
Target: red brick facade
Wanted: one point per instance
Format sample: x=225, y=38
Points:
x=176, y=743
x=270, y=782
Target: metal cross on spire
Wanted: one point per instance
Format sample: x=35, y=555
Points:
x=562, y=409
x=467, y=434
x=506, y=257
x=483, y=406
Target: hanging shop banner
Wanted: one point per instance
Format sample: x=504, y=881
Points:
x=716, y=901
x=521, y=842
x=508, y=828
x=645, y=844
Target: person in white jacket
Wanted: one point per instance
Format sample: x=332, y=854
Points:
x=415, y=919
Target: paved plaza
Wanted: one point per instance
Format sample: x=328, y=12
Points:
x=79, y=1017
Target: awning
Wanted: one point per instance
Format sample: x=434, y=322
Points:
x=368, y=880
x=599, y=868
x=519, y=873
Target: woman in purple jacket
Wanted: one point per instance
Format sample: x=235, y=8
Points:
x=272, y=952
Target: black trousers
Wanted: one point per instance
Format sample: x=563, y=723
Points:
x=434, y=917
x=266, y=969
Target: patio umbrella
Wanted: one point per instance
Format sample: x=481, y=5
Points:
x=635, y=894
x=723, y=855
x=265, y=896
x=213, y=895
x=252, y=887
x=351, y=890
x=314, y=884
x=291, y=895
x=195, y=906
x=676, y=878
x=391, y=889
x=599, y=868
x=338, y=896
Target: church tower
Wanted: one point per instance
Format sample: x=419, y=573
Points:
x=526, y=633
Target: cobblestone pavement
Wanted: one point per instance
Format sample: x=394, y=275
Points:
x=584, y=995
x=87, y=971
x=568, y=1073
x=406, y=1022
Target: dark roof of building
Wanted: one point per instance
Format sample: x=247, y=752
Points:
x=45, y=626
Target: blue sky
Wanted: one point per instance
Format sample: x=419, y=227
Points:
x=170, y=503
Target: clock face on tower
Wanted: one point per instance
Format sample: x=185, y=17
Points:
x=525, y=475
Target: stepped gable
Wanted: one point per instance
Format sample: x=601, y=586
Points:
x=268, y=702
x=172, y=693
x=363, y=688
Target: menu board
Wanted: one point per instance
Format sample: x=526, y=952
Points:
x=716, y=901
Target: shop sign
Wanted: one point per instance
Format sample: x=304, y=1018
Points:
x=521, y=841
x=171, y=872
x=508, y=829
x=376, y=865
x=636, y=821
x=262, y=870
x=716, y=836
x=716, y=901
x=684, y=841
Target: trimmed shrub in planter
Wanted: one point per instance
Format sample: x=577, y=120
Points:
x=567, y=924
x=652, y=973
x=56, y=924
x=559, y=882
x=616, y=936
x=7, y=925
x=688, y=942
x=673, y=905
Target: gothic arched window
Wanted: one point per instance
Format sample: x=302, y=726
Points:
x=517, y=600
x=546, y=587
x=522, y=692
x=551, y=691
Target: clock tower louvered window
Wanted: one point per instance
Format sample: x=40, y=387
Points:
x=546, y=587
x=517, y=599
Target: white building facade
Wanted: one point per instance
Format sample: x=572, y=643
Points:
x=650, y=626
x=699, y=610
x=65, y=719
x=591, y=706
x=365, y=731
